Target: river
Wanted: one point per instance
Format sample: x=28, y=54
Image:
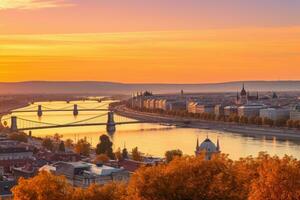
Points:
x=152, y=139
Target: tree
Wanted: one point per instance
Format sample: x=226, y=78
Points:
x=110, y=191
x=20, y=137
x=101, y=159
x=186, y=178
x=136, y=155
x=61, y=147
x=42, y=186
x=57, y=137
x=105, y=146
x=69, y=143
x=82, y=147
x=170, y=155
x=124, y=153
x=48, y=144
x=278, y=179
x=118, y=154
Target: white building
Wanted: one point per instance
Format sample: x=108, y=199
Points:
x=83, y=174
x=230, y=110
x=250, y=110
x=275, y=113
x=295, y=113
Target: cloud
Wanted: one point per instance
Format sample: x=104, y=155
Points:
x=33, y=4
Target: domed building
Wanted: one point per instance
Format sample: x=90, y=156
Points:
x=208, y=147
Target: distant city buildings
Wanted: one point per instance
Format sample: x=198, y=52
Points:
x=263, y=105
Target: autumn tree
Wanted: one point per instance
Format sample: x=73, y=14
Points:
x=278, y=179
x=170, y=155
x=48, y=144
x=43, y=186
x=118, y=154
x=186, y=178
x=110, y=191
x=82, y=147
x=105, y=146
x=101, y=159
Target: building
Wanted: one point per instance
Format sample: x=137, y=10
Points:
x=13, y=154
x=6, y=184
x=205, y=108
x=250, y=110
x=295, y=113
x=207, y=147
x=230, y=110
x=219, y=110
x=275, y=113
x=244, y=97
x=83, y=174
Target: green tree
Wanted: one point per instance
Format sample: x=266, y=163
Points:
x=124, y=153
x=170, y=155
x=136, y=155
x=105, y=147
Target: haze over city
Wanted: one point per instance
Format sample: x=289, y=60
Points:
x=149, y=99
x=149, y=41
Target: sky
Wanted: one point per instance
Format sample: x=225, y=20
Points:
x=143, y=41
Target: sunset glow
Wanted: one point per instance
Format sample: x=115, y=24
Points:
x=148, y=42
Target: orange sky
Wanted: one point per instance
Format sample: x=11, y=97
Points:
x=156, y=47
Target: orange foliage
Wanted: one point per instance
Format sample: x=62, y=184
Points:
x=188, y=178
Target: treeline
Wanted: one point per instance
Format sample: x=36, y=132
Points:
x=184, y=178
x=234, y=118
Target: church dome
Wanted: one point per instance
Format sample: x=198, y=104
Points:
x=208, y=146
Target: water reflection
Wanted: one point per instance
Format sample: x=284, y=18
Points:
x=155, y=139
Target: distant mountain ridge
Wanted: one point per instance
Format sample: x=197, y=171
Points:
x=106, y=88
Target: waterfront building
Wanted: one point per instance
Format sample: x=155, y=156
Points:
x=219, y=110
x=275, y=113
x=205, y=108
x=295, y=113
x=83, y=174
x=230, y=110
x=250, y=110
x=208, y=148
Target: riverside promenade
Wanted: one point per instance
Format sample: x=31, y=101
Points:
x=247, y=130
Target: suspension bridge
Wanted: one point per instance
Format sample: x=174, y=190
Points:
x=40, y=109
x=110, y=121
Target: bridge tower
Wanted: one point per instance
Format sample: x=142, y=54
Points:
x=75, y=110
x=14, y=125
x=40, y=111
x=111, y=125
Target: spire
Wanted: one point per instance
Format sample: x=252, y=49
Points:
x=257, y=96
x=218, y=144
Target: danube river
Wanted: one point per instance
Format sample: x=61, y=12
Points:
x=152, y=139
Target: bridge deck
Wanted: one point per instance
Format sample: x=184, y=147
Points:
x=67, y=110
x=77, y=125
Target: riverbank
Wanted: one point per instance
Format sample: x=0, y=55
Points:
x=248, y=130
